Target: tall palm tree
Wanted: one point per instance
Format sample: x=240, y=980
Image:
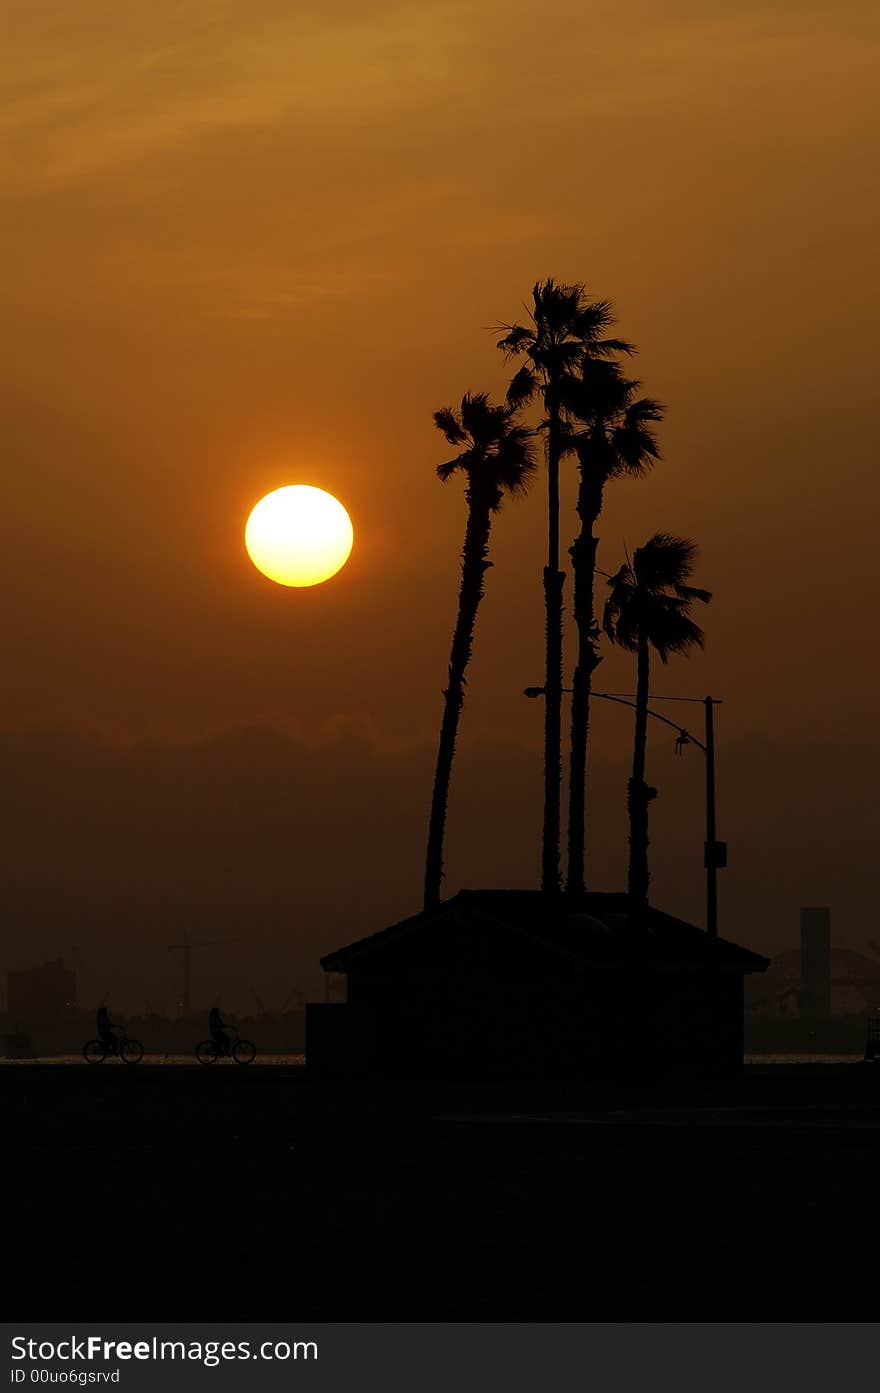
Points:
x=496, y=458
x=564, y=329
x=613, y=439
x=649, y=607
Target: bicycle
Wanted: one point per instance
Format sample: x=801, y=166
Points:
x=129, y=1051
x=241, y=1051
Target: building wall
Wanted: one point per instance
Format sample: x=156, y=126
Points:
x=40, y=995
x=442, y=1025
x=470, y=1021
x=696, y=1023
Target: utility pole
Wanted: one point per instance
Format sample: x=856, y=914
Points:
x=715, y=857
x=715, y=852
x=711, y=852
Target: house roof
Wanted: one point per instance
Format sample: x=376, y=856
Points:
x=591, y=928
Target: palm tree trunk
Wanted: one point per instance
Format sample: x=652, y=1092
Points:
x=474, y=564
x=638, y=793
x=583, y=556
x=553, y=583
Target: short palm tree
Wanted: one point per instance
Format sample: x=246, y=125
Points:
x=565, y=328
x=613, y=439
x=649, y=607
x=496, y=458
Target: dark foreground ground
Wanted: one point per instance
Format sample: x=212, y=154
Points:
x=228, y=1194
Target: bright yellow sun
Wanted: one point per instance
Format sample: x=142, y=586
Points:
x=299, y=535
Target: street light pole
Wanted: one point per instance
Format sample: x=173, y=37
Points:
x=712, y=857
x=715, y=852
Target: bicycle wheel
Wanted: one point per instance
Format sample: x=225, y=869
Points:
x=131, y=1051
x=94, y=1052
x=206, y=1052
x=243, y=1052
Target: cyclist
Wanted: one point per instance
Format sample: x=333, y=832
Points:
x=218, y=1028
x=105, y=1028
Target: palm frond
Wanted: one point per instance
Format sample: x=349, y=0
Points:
x=499, y=457
x=590, y=318
x=616, y=612
x=597, y=392
x=665, y=560
x=551, y=297
x=478, y=415
x=522, y=387
x=515, y=340
x=649, y=598
x=644, y=409
x=569, y=439
x=677, y=635
x=609, y=346
x=567, y=356
x=689, y=593
x=448, y=468
x=515, y=464
x=634, y=450
x=447, y=421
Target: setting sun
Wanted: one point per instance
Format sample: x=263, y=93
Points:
x=299, y=535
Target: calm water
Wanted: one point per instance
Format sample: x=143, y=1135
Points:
x=174, y=1060
x=804, y=1058
x=298, y=1060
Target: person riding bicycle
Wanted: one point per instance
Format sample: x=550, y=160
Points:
x=106, y=1028
x=218, y=1028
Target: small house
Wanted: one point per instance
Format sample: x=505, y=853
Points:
x=514, y=983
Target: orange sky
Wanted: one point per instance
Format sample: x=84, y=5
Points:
x=247, y=245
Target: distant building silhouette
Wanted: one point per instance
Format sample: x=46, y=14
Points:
x=37, y=995
x=815, y=993
x=515, y=983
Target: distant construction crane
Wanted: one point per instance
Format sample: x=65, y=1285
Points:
x=186, y=949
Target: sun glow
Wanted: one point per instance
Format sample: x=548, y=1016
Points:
x=299, y=535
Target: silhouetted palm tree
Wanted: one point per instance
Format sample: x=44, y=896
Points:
x=565, y=328
x=615, y=440
x=497, y=458
x=649, y=607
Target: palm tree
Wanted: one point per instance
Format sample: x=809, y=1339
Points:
x=496, y=459
x=565, y=328
x=649, y=607
x=615, y=440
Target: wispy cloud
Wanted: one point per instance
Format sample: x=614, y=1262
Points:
x=99, y=90
x=111, y=102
